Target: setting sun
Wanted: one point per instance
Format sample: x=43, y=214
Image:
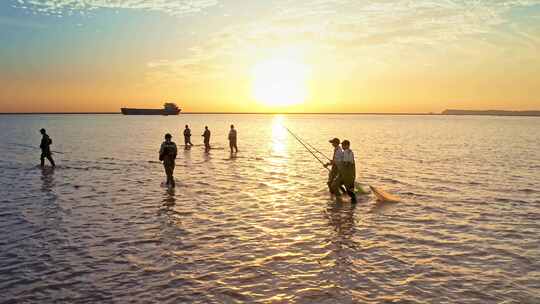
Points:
x=280, y=82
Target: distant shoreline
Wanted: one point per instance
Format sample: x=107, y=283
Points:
x=220, y=113
x=529, y=113
x=444, y=113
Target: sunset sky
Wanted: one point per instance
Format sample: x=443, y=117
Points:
x=269, y=56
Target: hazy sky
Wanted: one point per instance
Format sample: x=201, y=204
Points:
x=270, y=55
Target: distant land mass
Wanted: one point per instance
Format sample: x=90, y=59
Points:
x=491, y=112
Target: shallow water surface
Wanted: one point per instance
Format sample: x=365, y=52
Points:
x=260, y=226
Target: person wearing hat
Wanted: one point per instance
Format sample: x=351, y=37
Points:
x=167, y=154
x=347, y=171
x=45, y=146
x=337, y=158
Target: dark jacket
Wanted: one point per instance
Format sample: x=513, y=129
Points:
x=167, y=152
x=232, y=135
x=46, y=142
x=206, y=136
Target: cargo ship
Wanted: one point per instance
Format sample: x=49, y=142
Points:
x=168, y=109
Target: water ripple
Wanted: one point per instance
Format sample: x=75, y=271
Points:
x=260, y=226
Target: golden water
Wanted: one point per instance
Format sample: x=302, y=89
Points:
x=260, y=226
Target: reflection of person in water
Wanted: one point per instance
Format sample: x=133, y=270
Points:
x=169, y=199
x=47, y=182
x=342, y=221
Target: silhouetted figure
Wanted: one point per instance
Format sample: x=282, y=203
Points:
x=206, y=136
x=337, y=158
x=232, y=139
x=347, y=171
x=45, y=146
x=187, y=137
x=167, y=154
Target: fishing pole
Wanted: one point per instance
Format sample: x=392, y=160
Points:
x=383, y=195
x=357, y=184
x=342, y=188
x=32, y=147
x=315, y=149
x=302, y=143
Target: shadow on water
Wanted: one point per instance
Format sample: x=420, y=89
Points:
x=168, y=202
x=169, y=199
x=168, y=209
x=340, y=216
x=206, y=157
x=186, y=156
x=51, y=209
x=232, y=156
x=47, y=179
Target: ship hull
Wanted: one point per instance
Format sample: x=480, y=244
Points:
x=132, y=111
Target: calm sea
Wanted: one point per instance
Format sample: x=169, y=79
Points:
x=261, y=227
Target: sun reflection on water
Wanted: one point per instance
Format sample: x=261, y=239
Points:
x=279, y=136
x=277, y=163
x=262, y=227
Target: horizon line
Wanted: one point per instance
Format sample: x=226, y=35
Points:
x=191, y=113
x=461, y=113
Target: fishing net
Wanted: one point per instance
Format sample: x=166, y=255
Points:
x=384, y=196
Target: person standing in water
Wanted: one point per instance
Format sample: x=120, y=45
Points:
x=232, y=139
x=45, y=146
x=337, y=158
x=206, y=136
x=347, y=171
x=167, y=154
x=187, y=137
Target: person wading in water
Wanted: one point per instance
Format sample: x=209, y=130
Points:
x=206, y=136
x=347, y=171
x=45, y=146
x=167, y=154
x=232, y=139
x=335, y=163
x=187, y=138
